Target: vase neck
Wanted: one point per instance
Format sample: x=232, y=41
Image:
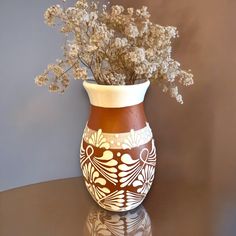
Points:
x=117, y=120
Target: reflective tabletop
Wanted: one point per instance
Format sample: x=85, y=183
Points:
x=64, y=207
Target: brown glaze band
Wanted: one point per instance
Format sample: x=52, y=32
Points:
x=117, y=120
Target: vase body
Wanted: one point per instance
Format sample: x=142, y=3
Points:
x=117, y=155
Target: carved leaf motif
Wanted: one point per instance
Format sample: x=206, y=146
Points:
x=114, y=201
x=134, y=199
x=129, y=170
x=97, y=139
x=91, y=177
x=132, y=141
x=145, y=179
x=152, y=155
x=126, y=158
x=107, y=166
x=85, y=154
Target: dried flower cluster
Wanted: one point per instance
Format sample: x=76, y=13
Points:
x=118, y=46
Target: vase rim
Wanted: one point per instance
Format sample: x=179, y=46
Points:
x=115, y=96
x=93, y=83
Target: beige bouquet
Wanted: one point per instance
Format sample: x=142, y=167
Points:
x=116, y=46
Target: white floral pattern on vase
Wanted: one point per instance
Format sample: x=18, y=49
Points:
x=116, y=179
x=131, y=168
x=98, y=140
x=105, y=165
x=145, y=179
x=92, y=179
x=128, y=140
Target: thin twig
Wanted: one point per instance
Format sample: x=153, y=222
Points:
x=66, y=70
x=83, y=62
x=86, y=65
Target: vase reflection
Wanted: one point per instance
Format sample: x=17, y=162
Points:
x=103, y=223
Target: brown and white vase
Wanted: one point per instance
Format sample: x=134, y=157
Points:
x=118, y=155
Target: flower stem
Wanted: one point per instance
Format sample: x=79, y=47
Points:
x=67, y=70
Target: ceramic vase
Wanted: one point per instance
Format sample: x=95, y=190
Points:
x=118, y=154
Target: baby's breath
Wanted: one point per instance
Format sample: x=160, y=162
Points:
x=117, y=45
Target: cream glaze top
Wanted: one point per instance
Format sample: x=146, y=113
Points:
x=115, y=96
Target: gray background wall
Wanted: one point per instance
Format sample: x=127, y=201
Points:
x=40, y=132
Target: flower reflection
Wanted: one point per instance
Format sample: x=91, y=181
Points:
x=103, y=223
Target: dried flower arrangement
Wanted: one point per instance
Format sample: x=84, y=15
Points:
x=118, y=46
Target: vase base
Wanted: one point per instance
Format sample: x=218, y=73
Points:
x=122, y=209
